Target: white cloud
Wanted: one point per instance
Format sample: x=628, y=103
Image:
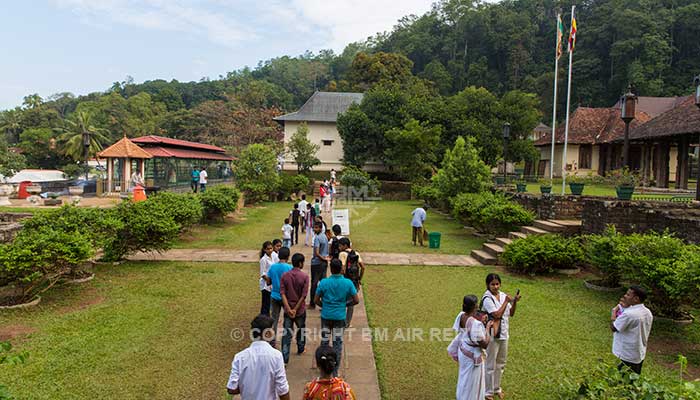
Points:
x=169, y=15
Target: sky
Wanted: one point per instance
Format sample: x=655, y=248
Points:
x=83, y=46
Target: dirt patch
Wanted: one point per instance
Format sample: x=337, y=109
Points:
x=10, y=332
x=668, y=350
x=88, y=300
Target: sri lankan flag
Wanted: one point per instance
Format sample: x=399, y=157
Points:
x=560, y=35
x=572, y=34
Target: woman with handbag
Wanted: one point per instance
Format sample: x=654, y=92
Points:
x=467, y=349
x=500, y=307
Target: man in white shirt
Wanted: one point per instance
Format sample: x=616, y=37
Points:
x=631, y=323
x=417, y=220
x=302, y=211
x=203, y=179
x=257, y=373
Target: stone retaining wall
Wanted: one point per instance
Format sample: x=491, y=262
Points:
x=551, y=206
x=13, y=217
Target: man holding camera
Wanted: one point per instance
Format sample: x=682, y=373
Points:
x=631, y=323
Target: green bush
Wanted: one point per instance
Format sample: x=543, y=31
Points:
x=358, y=183
x=219, y=201
x=186, y=209
x=601, y=251
x=293, y=184
x=489, y=212
x=542, y=254
x=606, y=382
x=94, y=223
x=667, y=267
x=429, y=194
x=462, y=170
x=42, y=254
x=147, y=226
x=256, y=172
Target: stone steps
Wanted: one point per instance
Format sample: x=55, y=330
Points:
x=531, y=230
x=503, y=242
x=484, y=258
x=548, y=226
x=516, y=235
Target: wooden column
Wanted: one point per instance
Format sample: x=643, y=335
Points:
x=682, y=166
x=648, y=161
x=664, y=160
x=609, y=157
x=602, y=151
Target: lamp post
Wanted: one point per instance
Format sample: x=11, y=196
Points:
x=86, y=152
x=696, y=81
x=628, y=104
x=506, y=136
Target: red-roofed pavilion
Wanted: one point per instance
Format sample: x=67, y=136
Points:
x=163, y=162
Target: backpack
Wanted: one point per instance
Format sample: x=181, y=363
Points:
x=335, y=248
x=496, y=321
x=352, y=269
x=295, y=217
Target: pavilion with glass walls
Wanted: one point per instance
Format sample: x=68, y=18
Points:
x=164, y=163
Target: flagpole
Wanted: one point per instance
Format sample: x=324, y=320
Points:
x=554, y=107
x=568, y=105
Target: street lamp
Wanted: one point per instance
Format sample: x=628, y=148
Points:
x=506, y=136
x=696, y=81
x=86, y=152
x=628, y=104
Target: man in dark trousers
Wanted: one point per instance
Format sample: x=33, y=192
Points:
x=631, y=323
x=294, y=286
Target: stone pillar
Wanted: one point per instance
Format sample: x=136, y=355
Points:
x=682, y=166
x=110, y=174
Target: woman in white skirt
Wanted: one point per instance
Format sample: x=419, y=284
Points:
x=467, y=349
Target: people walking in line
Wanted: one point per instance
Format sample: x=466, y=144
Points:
x=327, y=386
x=334, y=295
x=500, y=307
x=275, y=274
x=258, y=372
x=319, y=261
x=631, y=323
x=322, y=192
x=287, y=234
x=332, y=174
x=203, y=176
x=317, y=207
x=419, y=215
x=265, y=287
x=296, y=220
x=467, y=349
x=353, y=269
x=294, y=286
x=309, y=220
x=194, y=180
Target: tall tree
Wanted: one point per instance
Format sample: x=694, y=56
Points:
x=71, y=138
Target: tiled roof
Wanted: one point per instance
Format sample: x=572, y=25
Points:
x=122, y=149
x=542, y=128
x=158, y=151
x=593, y=125
x=323, y=107
x=152, y=139
x=683, y=119
x=655, y=106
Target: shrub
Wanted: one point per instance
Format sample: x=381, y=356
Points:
x=429, y=194
x=489, y=212
x=98, y=225
x=358, y=183
x=42, y=255
x=606, y=382
x=600, y=252
x=219, y=201
x=293, y=184
x=256, y=172
x=462, y=170
x=186, y=209
x=147, y=226
x=667, y=267
x=542, y=253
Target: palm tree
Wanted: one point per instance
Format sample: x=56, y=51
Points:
x=72, y=135
x=33, y=100
x=11, y=123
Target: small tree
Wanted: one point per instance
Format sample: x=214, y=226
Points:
x=256, y=172
x=411, y=150
x=302, y=150
x=462, y=170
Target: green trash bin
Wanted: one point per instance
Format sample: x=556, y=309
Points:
x=434, y=240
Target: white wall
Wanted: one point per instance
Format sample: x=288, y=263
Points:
x=572, y=152
x=330, y=156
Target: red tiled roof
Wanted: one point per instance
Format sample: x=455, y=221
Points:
x=593, y=125
x=158, y=151
x=681, y=120
x=123, y=148
x=152, y=139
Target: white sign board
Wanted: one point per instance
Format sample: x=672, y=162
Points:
x=342, y=218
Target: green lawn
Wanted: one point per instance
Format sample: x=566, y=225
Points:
x=137, y=331
x=560, y=330
x=19, y=209
x=382, y=226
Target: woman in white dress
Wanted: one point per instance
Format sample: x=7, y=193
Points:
x=467, y=349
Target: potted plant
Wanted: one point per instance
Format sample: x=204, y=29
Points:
x=576, y=183
x=500, y=180
x=545, y=186
x=625, y=182
x=521, y=186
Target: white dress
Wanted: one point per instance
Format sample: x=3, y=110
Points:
x=471, y=382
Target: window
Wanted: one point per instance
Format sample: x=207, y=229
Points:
x=584, y=156
x=327, y=142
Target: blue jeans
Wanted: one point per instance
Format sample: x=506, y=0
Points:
x=202, y=187
x=335, y=328
x=287, y=243
x=288, y=325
